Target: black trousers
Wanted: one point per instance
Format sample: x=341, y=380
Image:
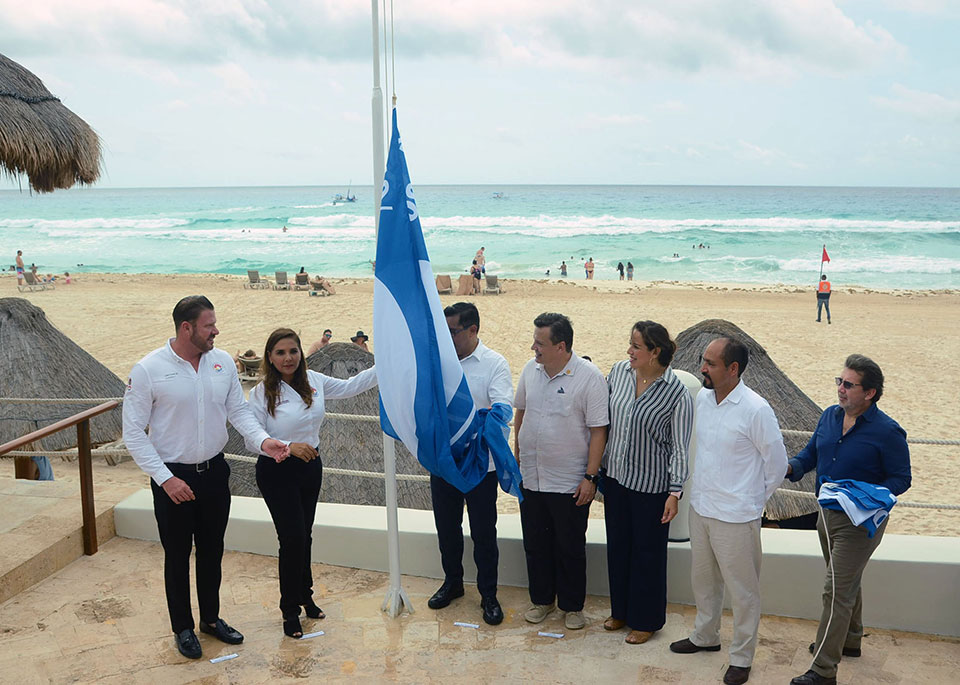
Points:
x=636, y=555
x=203, y=522
x=290, y=490
x=555, y=543
x=448, y=515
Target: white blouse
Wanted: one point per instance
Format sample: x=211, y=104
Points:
x=293, y=420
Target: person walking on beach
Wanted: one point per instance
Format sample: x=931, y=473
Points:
x=19, y=267
x=823, y=297
x=854, y=440
x=620, y=269
x=477, y=275
x=741, y=460
x=289, y=403
x=489, y=380
x=481, y=260
x=560, y=431
x=588, y=267
x=563, y=269
x=185, y=392
x=629, y=271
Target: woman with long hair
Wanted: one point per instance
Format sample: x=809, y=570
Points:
x=644, y=468
x=289, y=404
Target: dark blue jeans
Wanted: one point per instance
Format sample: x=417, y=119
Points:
x=823, y=303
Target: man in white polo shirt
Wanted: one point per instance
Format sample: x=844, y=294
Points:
x=488, y=376
x=741, y=460
x=185, y=392
x=559, y=435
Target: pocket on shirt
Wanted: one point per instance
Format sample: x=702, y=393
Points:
x=559, y=405
x=220, y=388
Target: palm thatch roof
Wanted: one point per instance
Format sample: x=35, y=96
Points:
x=40, y=137
x=794, y=410
x=345, y=444
x=38, y=361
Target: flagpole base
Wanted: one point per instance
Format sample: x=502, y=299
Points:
x=396, y=602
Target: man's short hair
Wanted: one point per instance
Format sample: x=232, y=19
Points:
x=327, y=330
x=189, y=308
x=871, y=377
x=823, y=277
x=735, y=351
x=466, y=313
x=561, y=330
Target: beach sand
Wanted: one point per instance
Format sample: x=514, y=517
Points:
x=119, y=318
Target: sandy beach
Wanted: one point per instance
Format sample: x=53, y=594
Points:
x=118, y=318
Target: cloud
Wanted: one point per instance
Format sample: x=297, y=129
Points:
x=759, y=37
x=921, y=104
x=608, y=120
x=767, y=156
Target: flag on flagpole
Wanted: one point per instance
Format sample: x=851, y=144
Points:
x=424, y=398
x=825, y=257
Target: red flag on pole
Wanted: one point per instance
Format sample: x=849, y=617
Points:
x=825, y=257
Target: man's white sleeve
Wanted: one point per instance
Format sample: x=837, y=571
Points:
x=137, y=406
x=769, y=441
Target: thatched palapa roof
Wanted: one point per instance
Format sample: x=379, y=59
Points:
x=38, y=361
x=40, y=137
x=794, y=410
x=345, y=444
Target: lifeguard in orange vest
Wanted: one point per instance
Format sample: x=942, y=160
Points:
x=823, y=297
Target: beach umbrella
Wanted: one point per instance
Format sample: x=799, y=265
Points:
x=794, y=410
x=40, y=137
x=38, y=361
x=345, y=444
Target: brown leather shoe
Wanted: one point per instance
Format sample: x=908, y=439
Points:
x=684, y=646
x=638, y=637
x=736, y=675
x=613, y=623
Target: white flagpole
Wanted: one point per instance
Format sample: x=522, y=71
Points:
x=396, y=599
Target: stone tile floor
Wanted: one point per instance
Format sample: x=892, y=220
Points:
x=103, y=619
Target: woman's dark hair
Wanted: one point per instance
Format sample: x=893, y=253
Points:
x=272, y=377
x=654, y=335
x=189, y=308
x=871, y=377
x=561, y=330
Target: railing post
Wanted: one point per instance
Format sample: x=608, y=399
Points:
x=86, y=488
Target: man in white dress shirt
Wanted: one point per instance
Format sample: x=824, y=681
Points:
x=185, y=392
x=560, y=431
x=741, y=460
x=488, y=376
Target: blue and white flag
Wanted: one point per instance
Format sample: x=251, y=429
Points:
x=424, y=397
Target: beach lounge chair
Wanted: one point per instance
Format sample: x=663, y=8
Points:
x=282, y=282
x=254, y=282
x=321, y=287
x=30, y=283
x=302, y=282
x=251, y=368
x=444, y=286
x=493, y=286
x=465, y=285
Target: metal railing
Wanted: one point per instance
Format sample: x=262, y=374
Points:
x=82, y=422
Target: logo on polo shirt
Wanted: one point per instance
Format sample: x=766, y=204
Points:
x=218, y=368
x=561, y=391
x=314, y=391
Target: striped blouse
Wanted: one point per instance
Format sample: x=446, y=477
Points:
x=649, y=436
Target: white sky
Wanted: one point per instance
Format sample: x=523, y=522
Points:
x=277, y=92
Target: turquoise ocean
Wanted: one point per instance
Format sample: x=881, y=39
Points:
x=875, y=237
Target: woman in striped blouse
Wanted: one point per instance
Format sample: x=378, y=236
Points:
x=644, y=467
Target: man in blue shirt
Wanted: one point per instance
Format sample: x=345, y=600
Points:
x=854, y=440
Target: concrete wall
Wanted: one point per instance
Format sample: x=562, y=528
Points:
x=912, y=583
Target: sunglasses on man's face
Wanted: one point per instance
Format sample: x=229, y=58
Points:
x=847, y=385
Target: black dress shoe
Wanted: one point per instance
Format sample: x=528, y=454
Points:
x=736, y=675
x=222, y=632
x=847, y=651
x=188, y=644
x=446, y=594
x=811, y=677
x=492, y=613
x=684, y=646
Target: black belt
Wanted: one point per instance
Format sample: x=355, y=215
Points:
x=194, y=468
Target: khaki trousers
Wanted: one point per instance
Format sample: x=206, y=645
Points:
x=726, y=556
x=851, y=550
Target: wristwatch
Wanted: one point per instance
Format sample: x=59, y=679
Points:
x=678, y=495
x=595, y=478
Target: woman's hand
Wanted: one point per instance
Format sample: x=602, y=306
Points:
x=303, y=451
x=669, y=509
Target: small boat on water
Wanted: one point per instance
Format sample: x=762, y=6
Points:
x=345, y=198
